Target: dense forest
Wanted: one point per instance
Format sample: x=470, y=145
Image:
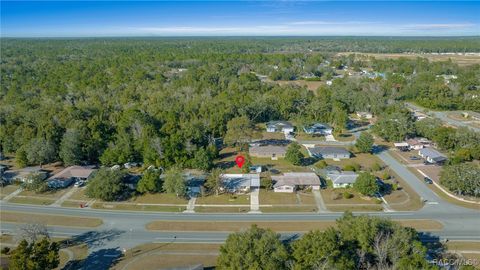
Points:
x=165, y=101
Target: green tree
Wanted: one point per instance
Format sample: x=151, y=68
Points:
x=339, y=118
x=36, y=182
x=71, y=148
x=214, y=181
x=150, y=182
x=294, y=155
x=364, y=143
x=21, y=158
x=40, y=151
x=462, y=179
x=174, y=182
x=323, y=250
x=255, y=248
x=202, y=160
x=39, y=255
x=106, y=184
x=366, y=184
x=247, y=164
x=239, y=131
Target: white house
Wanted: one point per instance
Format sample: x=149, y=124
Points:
x=342, y=179
x=432, y=156
x=318, y=129
x=289, y=182
x=329, y=152
x=280, y=126
x=240, y=183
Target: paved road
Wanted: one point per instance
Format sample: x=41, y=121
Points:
x=442, y=115
x=125, y=229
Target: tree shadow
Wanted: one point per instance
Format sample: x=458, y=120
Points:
x=97, y=260
x=226, y=164
x=309, y=161
x=92, y=238
x=436, y=249
x=377, y=149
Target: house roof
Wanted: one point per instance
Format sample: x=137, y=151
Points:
x=433, y=154
x=268, y=150
x=400, y=144
x=328, y=150
x=343, y=177
x=278, y=124
x=418, y=141
x=235, y=180
x=74, y=171
x=296, y=179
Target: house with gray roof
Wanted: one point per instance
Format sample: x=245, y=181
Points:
x=289, y=182
x=280, y=126
x=69, y=175
x=268, y=151
x=432, y=156
x=318, y=129
x=329, y=152
x=342, y=179
x=240, y=183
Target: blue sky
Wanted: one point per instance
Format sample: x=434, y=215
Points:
x=265, y=18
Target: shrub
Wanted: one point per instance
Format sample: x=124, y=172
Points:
x=5, y=250
x=321, y=164
x=347, y=195
x=352, y=167
x=376, y=167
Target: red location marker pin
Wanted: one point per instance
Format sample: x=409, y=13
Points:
x=240, y=160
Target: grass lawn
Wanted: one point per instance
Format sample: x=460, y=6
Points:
x=168, y=255
x=355, y=208
x=328, y=196
x=80, y=252
x=279, y=226
x=366, y=161
x=234, y=209
x=281, y=165
x=7, y=190
x=159, y=198
x=289, y=209
x=54, y=194
x=80, y=195
x=239, y=199
x=71, y=204
x=53, y=220
x=307, y=198
x=346, y=137
x=32, y=200
x=270, y=197
x=302, y=136
x=133, y=207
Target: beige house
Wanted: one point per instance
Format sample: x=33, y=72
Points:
x=268, y=151
x=289, y=182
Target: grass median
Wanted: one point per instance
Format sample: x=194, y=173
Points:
x=51, y=220
x=279, y=226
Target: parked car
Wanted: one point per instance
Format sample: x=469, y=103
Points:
x=427, y=180
x=79, y=183
x=414, y=158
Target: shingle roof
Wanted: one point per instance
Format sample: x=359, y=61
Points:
x=236, y=180
x=432, y=153
x=74, y=171
x=283, y=124
x=268, y=150
x=328, y=150
x=296, y=179
x=343, y=177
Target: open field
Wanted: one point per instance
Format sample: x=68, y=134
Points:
x=53, y=220
x=461, y=60
x=279, y=226
x=335, y=196
x=310, y=85
x=366, y=161
x=168, y=255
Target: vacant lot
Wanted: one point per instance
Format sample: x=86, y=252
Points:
x=168, y=255
x=53, y=220
x=310, y=85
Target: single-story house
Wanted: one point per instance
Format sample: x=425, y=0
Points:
x=268, y=151
x=289, y=182
x=318, y=129
x=329, y=152
x=280, y=126
x=342, y=179
x=432, y=156
x=365, y=115
x=69, y=175
x=402, y=146
x=25, y=174
x=239, y=183
x=418, y=143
